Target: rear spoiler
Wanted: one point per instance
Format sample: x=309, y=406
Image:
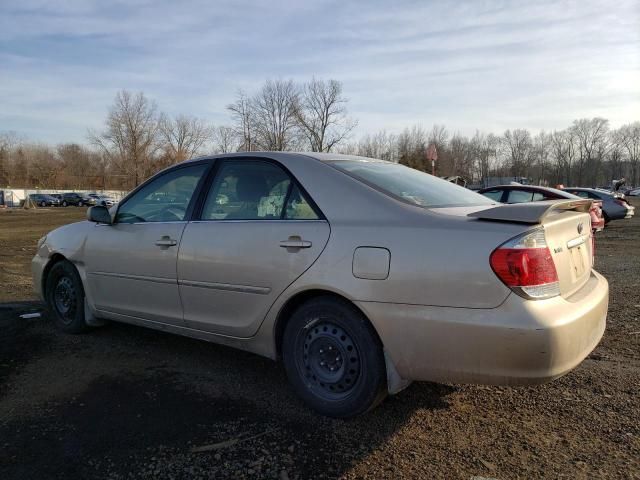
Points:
x=532, y=212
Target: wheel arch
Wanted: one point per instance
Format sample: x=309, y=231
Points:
x=298, y=299
x=395, y=383
x=53, y=259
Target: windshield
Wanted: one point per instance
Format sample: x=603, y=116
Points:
x=410, y=185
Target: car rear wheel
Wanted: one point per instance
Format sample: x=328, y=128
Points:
x=65, y=297
x=43, y=204
x=334, y=358
x=64, y=203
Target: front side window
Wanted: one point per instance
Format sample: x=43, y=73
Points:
x=165, y=199
x=409, y=185
x=495, y=195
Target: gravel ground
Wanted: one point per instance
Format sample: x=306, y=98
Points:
x=126, y=402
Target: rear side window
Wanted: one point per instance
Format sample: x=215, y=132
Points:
x=581, y=194
x=298, y=206
x=519, y=196
x=409, y=185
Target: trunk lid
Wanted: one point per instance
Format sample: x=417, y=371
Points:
x=567, y=227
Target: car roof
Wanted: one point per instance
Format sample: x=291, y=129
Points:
x=309, y=156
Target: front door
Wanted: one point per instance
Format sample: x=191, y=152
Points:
x=131, y=264
x=257, y=233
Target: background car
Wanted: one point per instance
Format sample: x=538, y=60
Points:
x=614, y=207
x=103, y=200
x=634, y=192
x=531, y=193
x=76, y=199
x=44, y=200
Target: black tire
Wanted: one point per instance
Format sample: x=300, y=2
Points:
x=334, y=358
x=64, y=203
x=79, y=204
x=43, y=204
x=606, y=218
x=65, y=298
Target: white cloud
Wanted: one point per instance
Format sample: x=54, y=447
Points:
x=490, y=65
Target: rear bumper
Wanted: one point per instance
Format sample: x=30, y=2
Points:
x=521, y=342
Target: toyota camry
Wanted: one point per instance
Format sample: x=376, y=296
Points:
x=360, y=275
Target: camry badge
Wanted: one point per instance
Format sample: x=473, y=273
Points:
x=580, y=227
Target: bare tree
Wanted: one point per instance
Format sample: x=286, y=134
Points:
x=484, y=149
x=541, y=153
x=563, y=150
x=630, y=139
x=130, y=138
x=225, y=139
x=183, y=137
x=8, y=142
x=80, y=165
x=518, y=149
x=381, y=145
x=274, y=113
x=322, y=114
x=412, y=146
x=591, y=137
x=242, y=114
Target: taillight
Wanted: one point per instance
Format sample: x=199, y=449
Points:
x=524, y=264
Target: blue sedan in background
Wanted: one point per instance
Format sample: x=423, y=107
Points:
x=613, y=208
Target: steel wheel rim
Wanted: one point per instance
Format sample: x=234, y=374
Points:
x=328, y=359
x=64, y=299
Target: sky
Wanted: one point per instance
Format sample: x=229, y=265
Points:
x=487, y=65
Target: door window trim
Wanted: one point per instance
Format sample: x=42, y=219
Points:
x=196, y=214
x=192, y=202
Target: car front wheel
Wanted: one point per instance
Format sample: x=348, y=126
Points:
x=64, y=204
x=334, y=358
x=65, y=297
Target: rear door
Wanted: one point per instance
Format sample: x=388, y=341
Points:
x=257, y=231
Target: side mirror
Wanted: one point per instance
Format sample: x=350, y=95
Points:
x=99, y=214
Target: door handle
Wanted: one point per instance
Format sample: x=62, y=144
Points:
x=295, y=242
x=166, y=242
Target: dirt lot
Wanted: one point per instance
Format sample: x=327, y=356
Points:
x=125, y=402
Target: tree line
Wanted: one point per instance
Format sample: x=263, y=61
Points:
x=137, y=140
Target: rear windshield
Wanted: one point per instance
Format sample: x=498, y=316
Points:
x=410, y=185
